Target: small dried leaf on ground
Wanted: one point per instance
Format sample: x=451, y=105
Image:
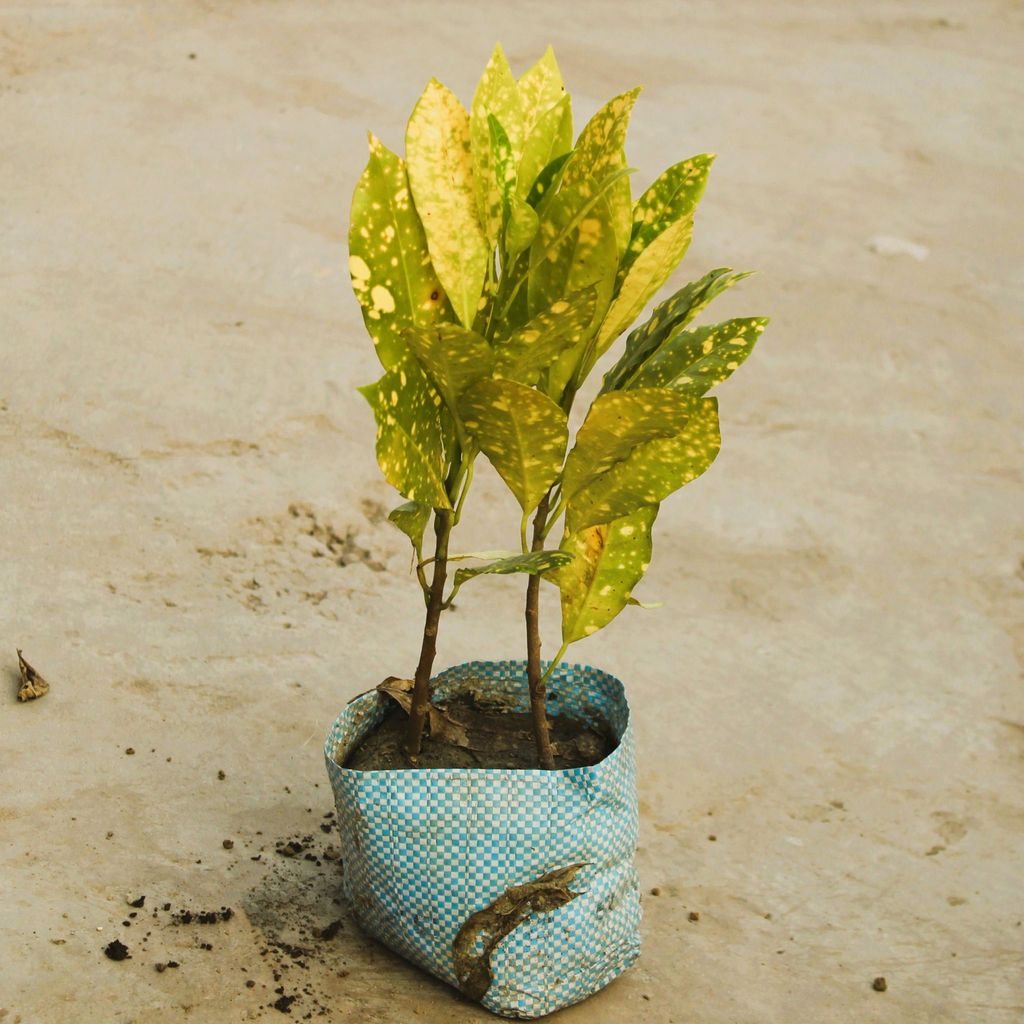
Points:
x=33, y=685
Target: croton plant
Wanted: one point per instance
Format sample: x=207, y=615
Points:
x=495, y=265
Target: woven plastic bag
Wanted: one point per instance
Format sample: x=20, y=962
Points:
x=515, y=886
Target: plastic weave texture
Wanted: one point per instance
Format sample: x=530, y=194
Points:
x=424, y=850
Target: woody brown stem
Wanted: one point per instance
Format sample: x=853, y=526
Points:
x=536, y=682
x=443, y=522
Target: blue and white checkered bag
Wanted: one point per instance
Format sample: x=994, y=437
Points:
x=426, y=850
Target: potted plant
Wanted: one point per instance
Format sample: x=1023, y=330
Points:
x=488, y=814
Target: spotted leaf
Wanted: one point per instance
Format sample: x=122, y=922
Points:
x=550, y=138
x=671, y=315
x=647, y=274
x=608, y=560
x=440, y=171
x=521, y=431
x=522, y=226
x=616, y=424
x=391, y=271
x=409, y=449
x=534, y=563
x=531, y=349
x=496, y=95
x=695, y=361
x=672, y=197
x=411, y=518
x=539, y=89
x=546, y=185
x=651, y=471
x=598, y=151
x=453, y=358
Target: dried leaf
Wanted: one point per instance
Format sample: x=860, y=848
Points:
x=33, y=685
x=441, y=726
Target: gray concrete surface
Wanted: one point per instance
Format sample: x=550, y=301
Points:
x=833, y=688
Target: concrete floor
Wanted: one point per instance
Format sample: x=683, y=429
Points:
x=832, y=689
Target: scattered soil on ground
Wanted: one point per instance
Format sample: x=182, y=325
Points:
x=484, y=734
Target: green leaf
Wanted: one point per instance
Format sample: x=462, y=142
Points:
x=391, y=271
x=616, y=424
x=695, y=361
x=674, y=313
x=532, y=348
x=549, y=139
x=454, y=359
x=647, y=274
x=522, y=226
x=651, y=471
x=608, y=560
x=521, y=431
x=497, y=94
x=574, y=248
x=598, y=151
x=440, y=171
x=534, y=563
x=547, y=181
x=504, y=164
x=671, y=197
x=539, y=89
x=411, y=518
x=409, y=451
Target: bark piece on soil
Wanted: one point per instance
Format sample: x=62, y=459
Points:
x=501, y=918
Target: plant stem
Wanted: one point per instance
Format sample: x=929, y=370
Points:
x=537, y=684
x=443, y=522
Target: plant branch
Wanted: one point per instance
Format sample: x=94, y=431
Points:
x=444, y=521
x=537, y=685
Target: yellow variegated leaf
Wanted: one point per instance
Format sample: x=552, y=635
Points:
x=534, y=563
x=440, y=171
x=651, y=471
x=668, y=317
x=411, y=518
x=496, y=94
x=392, y=276
x=671, y=197
x=522, y=432
x=649, y=271
x=409, y=450
x=565, y=324
x=598, y=151
x=695, y=361
x=453, y=358
x=551, y=137
x=522, y=227
x=575, y=248
x=616, y=424
x=540, y=89
x=608, y=560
